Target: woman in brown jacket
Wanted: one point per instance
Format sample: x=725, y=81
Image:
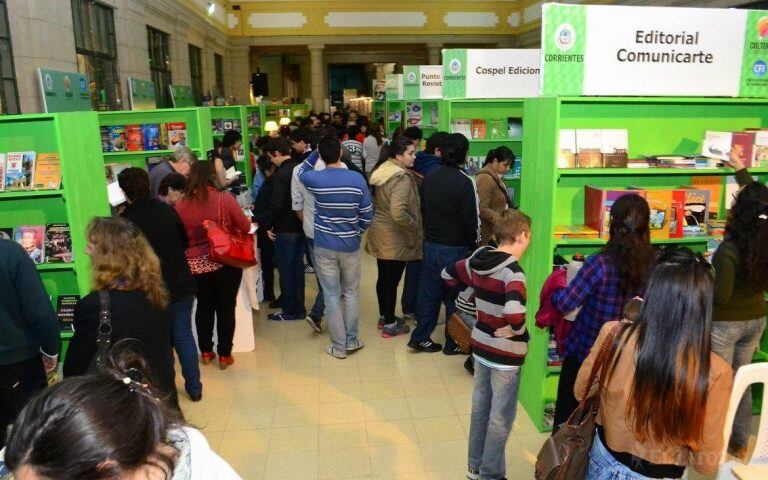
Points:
x=395, y=236
x=491, y=190
x=665, y=397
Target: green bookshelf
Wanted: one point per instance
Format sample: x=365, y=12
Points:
x=242, y=113
x=379, y=111
x=556, y=197
x=75, y=203
x=391, y=107
x=295, y=110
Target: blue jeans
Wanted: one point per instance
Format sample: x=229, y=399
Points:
x=494, y=405
x=736, y=341
x=410, y=287
x=602, y=465
x=432, y=290
x=184, y=343
x=319, y=307
x=289, y=257
x=339, y=272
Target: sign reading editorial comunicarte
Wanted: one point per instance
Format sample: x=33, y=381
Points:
x=491, y=73
x=653, y=51
x=394, y=86
x=422, y=82
x=64, y=91
x=142, y=94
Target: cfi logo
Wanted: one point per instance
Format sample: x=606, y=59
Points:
x=759, y=68
x=565, y=36
x=762, y=27
x=48, y=81
x=411, y=77
x=455, y=66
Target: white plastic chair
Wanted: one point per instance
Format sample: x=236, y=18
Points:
x=746, y=376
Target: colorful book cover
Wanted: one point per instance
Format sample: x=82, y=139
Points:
x=479, y=128
x=434, y=116
x=6, y=233
x=696, y=213
x=58, y=243
x=760, y=151
x=743, y=143
x=615, y=148
x=715, y=187
x=177, y=134
x=3, y=160
x=575, y=231
x=237, y=125
x=47, y=172
x=676, y=217
x=150, y=133
x=106, y=139
x=589, y=147
x=20, y=168
x=597, y=206
x=514, y=127
x=462, y=126
x=135, y=141
x=414, y=114
x=227, y=124
x=65, y=311
x=254, y=120
x=396, y=116
x=112, y=170
x=31, y=238
x=117, y=138
x=497, y=128
x=660, y=204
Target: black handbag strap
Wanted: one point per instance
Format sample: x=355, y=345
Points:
x=604, y=356
x=103, y=332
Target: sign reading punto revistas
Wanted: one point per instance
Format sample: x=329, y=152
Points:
x=491, y=73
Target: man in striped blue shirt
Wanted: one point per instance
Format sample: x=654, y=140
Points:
x=343, y=211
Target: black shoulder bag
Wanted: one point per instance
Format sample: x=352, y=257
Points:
x=103, y=334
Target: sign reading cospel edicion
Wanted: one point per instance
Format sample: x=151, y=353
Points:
x=491, y=73
x=653, y=51
x=422, y=82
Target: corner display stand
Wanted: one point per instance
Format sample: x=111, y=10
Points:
x=379, y=110
x=241, y=113
x=556, y=197
x=74, y=136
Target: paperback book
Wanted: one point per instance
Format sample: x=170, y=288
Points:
x=150, y=133
x=479, y=128
x=462, y=126
x=58, y=243
x=615, y=148
x=414, y=114
x=65, y=311
x=514, y=127
x=31, y=238
x=134, y=138
x=47, y=172
x=566, y=156
x=498, y=128
x=177, y=134
x=254, y=120
x=106, y=139
x=589, y=145
x=117, y=139
x=19, y=169
x=112, y=170
x=2, y=171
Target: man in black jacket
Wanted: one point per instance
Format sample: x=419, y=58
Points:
x=451, y=231
x=168, y=238
x=29, y=333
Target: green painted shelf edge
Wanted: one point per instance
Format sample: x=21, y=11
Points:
x=562, y=242
x=142, y=152
x=494, y=140
x=582, y=172
x=19, y=194
x=49, y=267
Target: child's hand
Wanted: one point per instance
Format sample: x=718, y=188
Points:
x=504, y=332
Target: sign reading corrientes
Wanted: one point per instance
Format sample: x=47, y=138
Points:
x=653, y=51
x=182, y=96
x=394, y=86
x=492, y=73
x=142, y=94
x=422, y=82
x=64, y=91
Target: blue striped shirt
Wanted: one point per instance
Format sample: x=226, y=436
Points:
x=343, y=209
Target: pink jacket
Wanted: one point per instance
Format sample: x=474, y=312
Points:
x=548, y=315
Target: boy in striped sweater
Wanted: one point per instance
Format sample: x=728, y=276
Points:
x=499, y=340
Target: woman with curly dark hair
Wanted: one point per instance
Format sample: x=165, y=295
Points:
x=606, y=282
x=741, y=280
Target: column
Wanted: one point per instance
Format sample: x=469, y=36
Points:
x=381, y=71
x=434, y=53
x=317, y=74
x=240, y=74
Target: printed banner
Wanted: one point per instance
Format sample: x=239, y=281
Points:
x=379, y=90
x=394, y=86
x=64, y=91
x=653, y=51
x=141, y=94
x=182, y=96
x=491, y=73
x=422, y=82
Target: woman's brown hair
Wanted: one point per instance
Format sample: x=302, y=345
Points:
x=201, y=177
x=629, y=245
x=122, y=259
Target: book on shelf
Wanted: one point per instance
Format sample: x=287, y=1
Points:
x=462, y=126
x=473, y=165
x=660, y=204
x=566, y=153
x=638, y=163
x=217, y=126
x=150, y=133
x=597, y=206
x=498, y=128
x=6, y=233
x=58, y=243
x=32, y=240
x=479, y=128
x=714, y=185
x=715, y=227
x=47, y=172
x=177, y=134
x=434, y=118
x=514, y=127
x=106, y=138
x=575, y=231
x=2, y=171
x=134, y=138
x=237, y=125
x=112, y=170
x=720, y=144
x=589, y=145
x=696, y=212
x=760, y=150
x=614, y=148
x=554, y=359
x=254, y=120
x=117, y=138
x=414, y=114
x=19, y=170
x=65, y=311
x=396, y=116
x=227, y=124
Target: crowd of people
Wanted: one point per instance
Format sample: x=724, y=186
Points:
x=681, y=326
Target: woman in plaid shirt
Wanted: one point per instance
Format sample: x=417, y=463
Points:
x=607, y=281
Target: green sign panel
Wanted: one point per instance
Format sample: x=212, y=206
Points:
x=411, y=82
x=754, y=73
x=454, y=73
x=64, y=91
x=394, y=86
x=142, y=94
x=182, y=96
x=564, y=44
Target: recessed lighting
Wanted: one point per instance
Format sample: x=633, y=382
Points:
x=211, y=8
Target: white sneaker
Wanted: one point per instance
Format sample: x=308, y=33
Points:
x=332, y=351
x=355, y=346
x=473, y=473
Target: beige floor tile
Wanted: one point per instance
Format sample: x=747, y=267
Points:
x=432, y=406
x=248, y=465
x=382, y=390
x=214, y=440
x=293, y=439
x=456, y=384
x=386, y=409
x=439, y=429
x=298, y=394
x=250, y=395
x=245, y=442
x=206, y=417
x=396, y=460
x=342, y=412
x=420, y=387
x=343, y=435
x=392, y=432
x=341, y=392
x=300, y=376
x=465, y=421
x=418, y=369
x=376, y=354
x=346, y=463
x=445, y=456
x=295, y=415
x=379, y=371
x=462, y=403
x=340, y=374
x=292, y=466
x=251, y=418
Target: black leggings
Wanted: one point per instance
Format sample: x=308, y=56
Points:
x=216, y=298
x=390, y=272
x=18, y=383
x=566, y=400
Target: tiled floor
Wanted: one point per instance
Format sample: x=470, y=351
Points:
x=288, y=410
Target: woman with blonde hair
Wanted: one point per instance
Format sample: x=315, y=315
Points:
x=127, y=269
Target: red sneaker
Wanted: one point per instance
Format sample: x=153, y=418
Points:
x=224, y=362
x=207, y=357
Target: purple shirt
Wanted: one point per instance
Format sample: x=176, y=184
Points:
x=596, y=290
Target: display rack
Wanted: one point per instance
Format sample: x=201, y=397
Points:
x=296, y=110
x=552, y=197
x=401, y=106
x=379, y=110
x=250, y=134
x=75, y=203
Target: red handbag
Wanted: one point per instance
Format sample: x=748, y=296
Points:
x=228, y=246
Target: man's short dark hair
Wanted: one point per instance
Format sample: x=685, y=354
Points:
x=414, y=133
x=435, y=141
x=302, y=134
x=134, y=182
x=280, y=145
x=231, y=137
x=173, y=180
x=330, y=149
x=455, y=149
